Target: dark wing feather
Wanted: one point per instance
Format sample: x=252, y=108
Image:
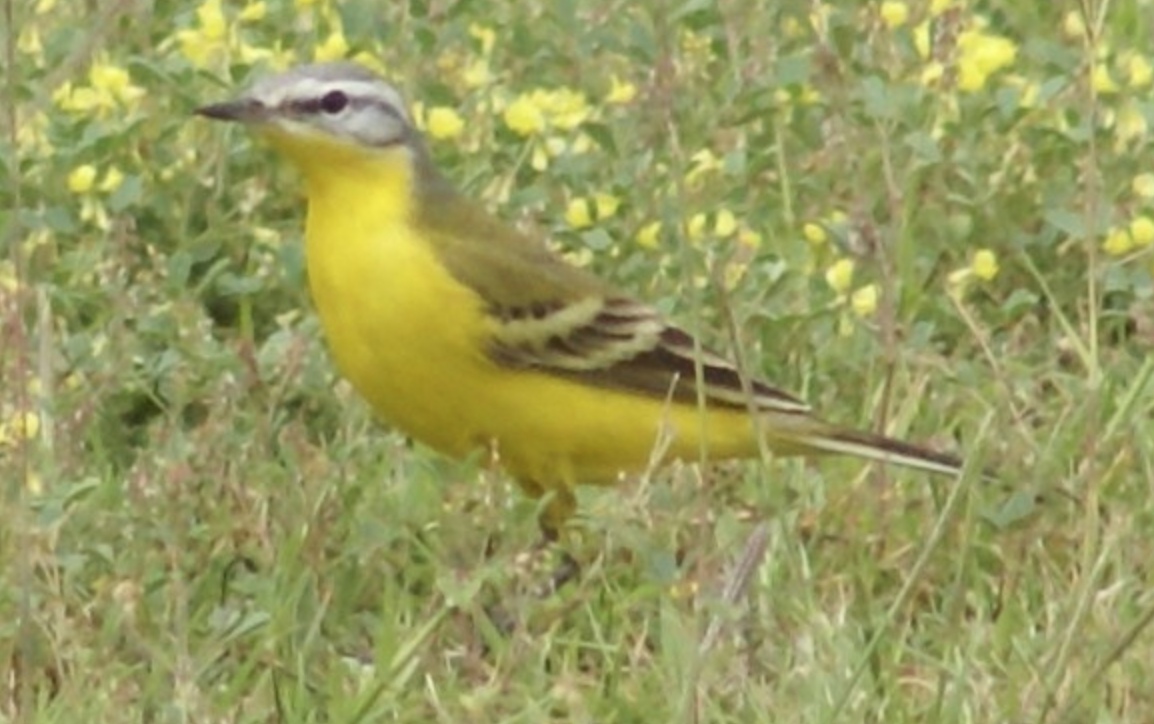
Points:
x=556, y=318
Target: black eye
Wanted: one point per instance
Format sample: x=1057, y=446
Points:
x=334, y=102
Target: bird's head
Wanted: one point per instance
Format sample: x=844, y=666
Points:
x=327, y=116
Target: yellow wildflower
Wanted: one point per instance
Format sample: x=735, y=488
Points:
x=932, y=73
x=696, y=228
x=606, y=204
x=523, y=116
x=704, y=162
x=894, y=13
x=1142, y=230
x=985, y=265
x=1143, y=185
x=749, y=237
x=922, y=39
x=113, y=177
x=578, y=214
x=1073, y=25
x=1102, y=81
x=725, y=223
x=82, y=178
x=1118, y=242
x=1139, y=71
x=582, y=144
x=253, y=11
x=210, y=18
x=8, y=281
x=620, y=91
x=647, y=236
x=444, y=123
x=334, y=47
x=20, y=426
x=477, y=74
x=485, y=35
x=814, y=233
x=1130, y=122
x=980, y=55
x=115, y=82
x=839, y=276
x=566, y=108
x=864, y=301
x=28, y=42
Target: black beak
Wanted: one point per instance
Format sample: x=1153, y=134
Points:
x=242, y=110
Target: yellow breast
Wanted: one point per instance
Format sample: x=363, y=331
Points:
x=413, y=341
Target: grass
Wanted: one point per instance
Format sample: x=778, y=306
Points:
x=202, y=523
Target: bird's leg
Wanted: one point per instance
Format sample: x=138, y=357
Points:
x=558, y=509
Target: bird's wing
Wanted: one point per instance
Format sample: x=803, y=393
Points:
x=556, y=318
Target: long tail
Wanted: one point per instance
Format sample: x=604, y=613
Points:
x=843, y=441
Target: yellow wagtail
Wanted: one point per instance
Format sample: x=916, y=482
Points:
x=466, y=334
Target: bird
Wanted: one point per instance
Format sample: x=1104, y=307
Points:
x=469, y=335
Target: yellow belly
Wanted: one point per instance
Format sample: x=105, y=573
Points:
x=412, y=340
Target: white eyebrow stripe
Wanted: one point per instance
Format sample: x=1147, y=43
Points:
x=308, y=89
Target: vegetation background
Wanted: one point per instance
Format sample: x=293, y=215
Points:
x=931, y=217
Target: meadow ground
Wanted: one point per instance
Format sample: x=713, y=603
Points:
x=930, y=217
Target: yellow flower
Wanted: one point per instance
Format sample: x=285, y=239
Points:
x=82, y=178
x=200, y=50
x=8, y=281
x=704, y=162
x=932, y=73
x=647, y=236
x=1073, y=25
x=253, y=11
x=1102, y=81
x=1118, y=242
x=1139, y=72
x=606, y=204
x=1142, y=230
x=115, y=82
x=814, y=233
x=725, y=224
x=20, y=426
x=444, y=123
x=582, y=144
x=477, y=74
x=620, y=91
x=540, y=159
x=839, y=276
x=334, y=47
x=984, y=265
x=980, y=55
x=1130, y=122
x=894, y=13
x=749, y=237
x=485, y=35
x=922, y=39
x=210, y=17
x=577, y=214
x=523, y=116
x=1143, y=185
x=565, y=108
x=864, y=301
x=696, y=228
x=112, y=180
x=28, y=42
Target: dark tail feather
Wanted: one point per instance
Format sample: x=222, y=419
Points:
x=883, y=449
